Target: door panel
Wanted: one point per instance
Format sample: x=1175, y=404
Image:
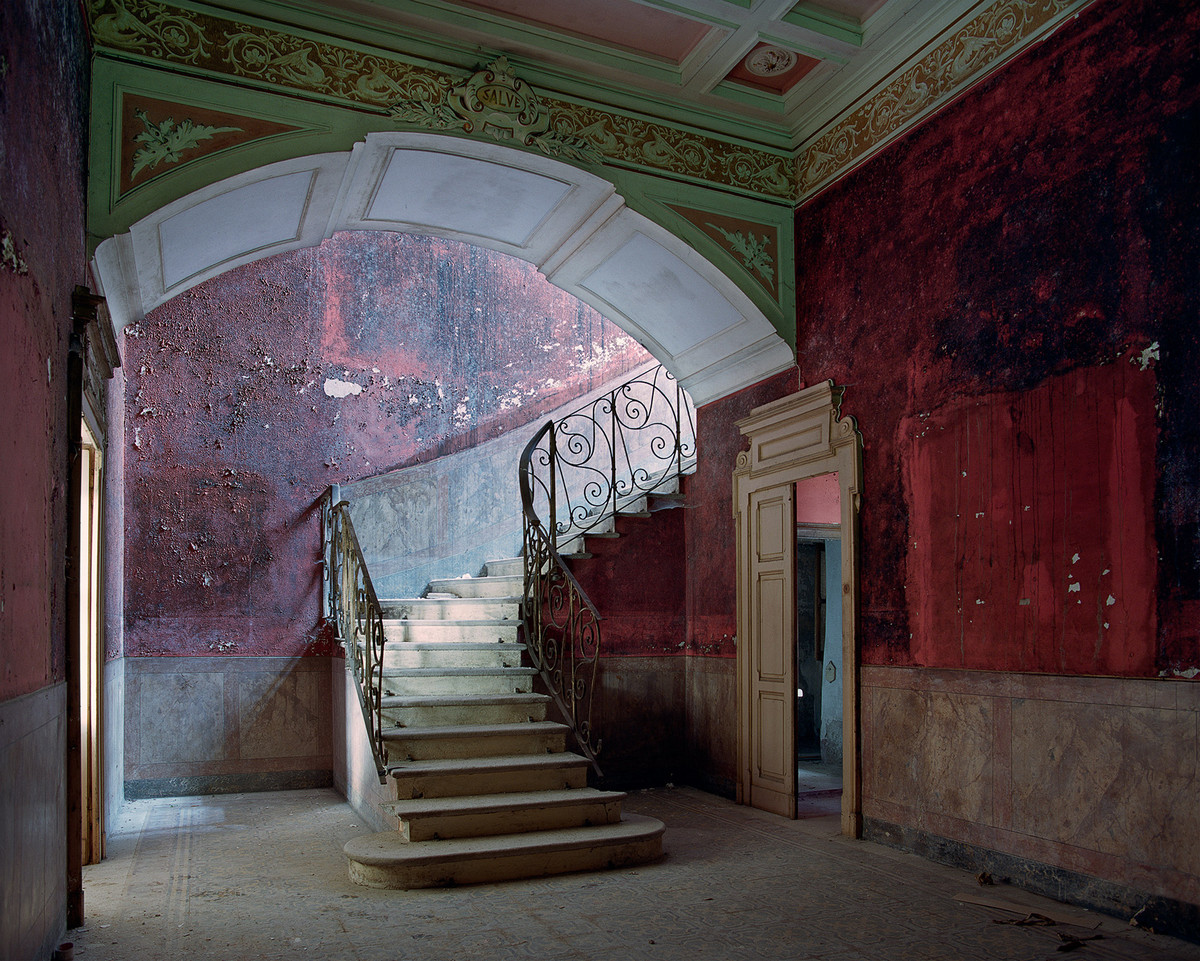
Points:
x=772, y=671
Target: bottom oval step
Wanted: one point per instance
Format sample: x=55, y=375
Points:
x=386, y=860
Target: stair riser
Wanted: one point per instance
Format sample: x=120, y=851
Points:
x=478, y=586
x=487, y=782
x=464, y=714
x=461, y=686
x=513, y=566
x=506, y=867
x=433, y=748
x=431, y=827
x=499, y=655
x=451, y=609
x=452, y=633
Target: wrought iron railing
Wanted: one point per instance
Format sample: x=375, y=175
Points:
x=576, y=473
x=353, y=610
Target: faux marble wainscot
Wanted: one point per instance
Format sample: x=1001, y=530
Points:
x=33, y=823
x=1081, y=778
x=212, y=725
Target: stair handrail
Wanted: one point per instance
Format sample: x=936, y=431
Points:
x=352, y=609
x=580, y=469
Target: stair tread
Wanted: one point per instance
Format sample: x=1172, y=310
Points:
x=488, y=803
x=498, y=762
x=389, y=847
x=452, y=645
x=455, y=700
x=456, y=671
x=472, y=730
x=457, y=622
x=480, y=577
x=450, y=599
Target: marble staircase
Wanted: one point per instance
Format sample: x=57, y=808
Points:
x=484, y=787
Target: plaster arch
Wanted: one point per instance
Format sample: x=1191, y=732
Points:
x=571, y=224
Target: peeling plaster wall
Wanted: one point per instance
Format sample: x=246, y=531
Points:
x=1009, y=296
x=250, y=394
x=43, y=91
x=1033, y=243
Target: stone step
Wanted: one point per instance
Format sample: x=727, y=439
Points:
x=430, y=710
x=458, y=680
x=452, y=608
x=474, y=740
x=453, y=777
x=506, y=585
x=505, y=565
x=452, y=632
x=413, y=654
x=428, y=819
x=386, y=860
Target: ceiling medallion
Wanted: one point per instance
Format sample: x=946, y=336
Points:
x=769, y=61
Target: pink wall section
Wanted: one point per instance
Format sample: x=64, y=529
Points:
x=43, y=111
x=250, y=394
x=1009, y=297
x=42, y=116
x=819, y=500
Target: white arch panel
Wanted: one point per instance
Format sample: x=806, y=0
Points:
x=568, y=222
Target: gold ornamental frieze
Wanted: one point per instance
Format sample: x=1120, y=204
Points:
x=493, y=102
x=503, y=107
x=964, y=56
x=160, y=32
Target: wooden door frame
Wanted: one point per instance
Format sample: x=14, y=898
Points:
x=792, y=439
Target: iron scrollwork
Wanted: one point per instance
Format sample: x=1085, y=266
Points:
x=353, y=610
x=576, y=473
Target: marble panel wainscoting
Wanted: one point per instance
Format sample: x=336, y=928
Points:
x=33, y=823
x=112, y=719
x=712, y=724
x=216, y=725
x=1083, y=788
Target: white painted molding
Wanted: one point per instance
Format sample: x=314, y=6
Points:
x=568, y=222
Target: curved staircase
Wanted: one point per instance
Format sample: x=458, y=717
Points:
x=484, y=787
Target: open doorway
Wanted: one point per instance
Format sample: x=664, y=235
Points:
x=818, y=647
x=91, y=492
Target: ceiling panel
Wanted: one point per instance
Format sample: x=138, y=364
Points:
x=617, y=23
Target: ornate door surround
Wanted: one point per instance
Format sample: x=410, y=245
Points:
x=791, y=439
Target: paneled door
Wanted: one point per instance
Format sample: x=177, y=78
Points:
x=772, y=664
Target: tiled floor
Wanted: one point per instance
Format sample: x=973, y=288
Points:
x=262, y=876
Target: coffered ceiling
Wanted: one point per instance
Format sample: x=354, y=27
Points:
x=647, y=155
x=779, y=73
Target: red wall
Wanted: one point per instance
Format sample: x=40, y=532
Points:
x=709, y=531
x=42, y=125
x=232, y=432
x=1009, y=296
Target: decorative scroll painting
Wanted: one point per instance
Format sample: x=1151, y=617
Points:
x=158, y=135
x=1002, y=29
x=753, y=245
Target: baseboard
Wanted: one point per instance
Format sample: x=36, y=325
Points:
x=226, y=784
x=1179, y=919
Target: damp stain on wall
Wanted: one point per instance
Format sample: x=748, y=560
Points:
x=956, y=276
x=250, y=394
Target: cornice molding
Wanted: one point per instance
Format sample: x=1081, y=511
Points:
x=960, y=59
x=298, y=62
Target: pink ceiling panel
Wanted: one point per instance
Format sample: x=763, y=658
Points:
x=619, y=23
x=859, y=10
